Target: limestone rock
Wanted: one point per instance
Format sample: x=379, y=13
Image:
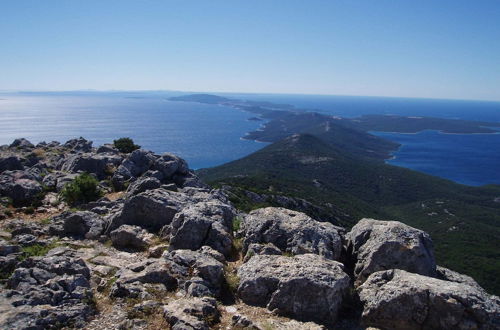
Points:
x=379, y=245
x=193, y=313
x=396, y=299
x=143, y=184
x=80, y=224
x=204, y=223
x=261, y=249
x=46, y=291
x=133, y=237
x=292, y=232
x=197, y=269
x=20, y=186
x=306, y=287
x=151, y=210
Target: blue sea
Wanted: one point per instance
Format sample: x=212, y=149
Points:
x=204, y=135
x=471, y=159
x=210, y=135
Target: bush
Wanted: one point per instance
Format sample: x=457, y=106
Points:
x=125, y=145
x=83, y=189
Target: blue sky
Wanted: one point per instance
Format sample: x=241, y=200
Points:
x=438, y=49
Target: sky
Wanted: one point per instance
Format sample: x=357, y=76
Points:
x=403, y=48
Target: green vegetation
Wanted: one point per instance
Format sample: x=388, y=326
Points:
x=463, y=221
x=37, y=250
x=232, y=279
x=83, y=189
x=236, y=223
x=125, y=145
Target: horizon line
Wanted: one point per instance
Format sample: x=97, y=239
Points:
x=233, y=92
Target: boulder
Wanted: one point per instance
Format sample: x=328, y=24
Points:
x=396, y=299
x=133, y=237
x=169, y=164
x=192, y=313
x=46, y=291
x=131, y=280
x=20, y=186
x=10, y=163
x=292, y=232
x=107, y=149
x=261, y=249
x=79, y=145
x=151, y=210
x=88, y=163
x=143, y=184
x=204, y=223
x=21, y=144
x=306, y=287
x=197, y=271
x=7, y=248
x=97, y=164
x=375, y=245
x=80, y=224
x=452, y=276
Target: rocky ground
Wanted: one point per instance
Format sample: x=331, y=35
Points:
x=163, y=250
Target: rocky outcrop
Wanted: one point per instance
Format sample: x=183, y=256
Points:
x=22, y=187
x=375, y=245
x=292, y=232
x=79, y=225
x=203, y=223
x=306, y=287
x=43, y=292
x=194, y=313
x=97, y=164
x=198, y=273
x=133, y=237
x=396, y=299
x=150, y=210
x=161, y=253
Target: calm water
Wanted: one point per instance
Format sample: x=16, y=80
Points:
x=472, y=159
x=205, y=135
x=208, y=135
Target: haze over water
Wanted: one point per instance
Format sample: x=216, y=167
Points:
x=210, y=135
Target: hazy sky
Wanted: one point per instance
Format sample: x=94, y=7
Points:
x=436, y=48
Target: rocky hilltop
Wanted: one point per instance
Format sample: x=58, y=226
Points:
x=158, y=248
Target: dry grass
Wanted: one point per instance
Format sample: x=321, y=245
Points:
x=115, y=195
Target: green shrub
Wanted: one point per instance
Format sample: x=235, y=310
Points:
x=236, y=223
x=83, y=189
x=125, y=145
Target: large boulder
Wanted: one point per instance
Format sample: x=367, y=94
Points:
x=21, y=144
x=150, y=210
x=46, y=291
x=10, y=163
x=306, y=287
x=169, y=164
x=97, y=164
x=379, y=245
x=143, y=184
x=80, y=224
x=78, y=145
x=20, y=186
x=192, y=313
x=199, y=273
x=133, y=237
x=204, y=223
x=292, y=232
x=396, y=299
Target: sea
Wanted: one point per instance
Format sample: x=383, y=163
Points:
x=209, y=135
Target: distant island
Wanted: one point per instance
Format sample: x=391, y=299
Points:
x=287, y=118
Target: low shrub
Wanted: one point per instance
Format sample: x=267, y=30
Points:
x=83, y=189
x=125, y=145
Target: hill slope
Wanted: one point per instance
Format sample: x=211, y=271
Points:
x=463, y=221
